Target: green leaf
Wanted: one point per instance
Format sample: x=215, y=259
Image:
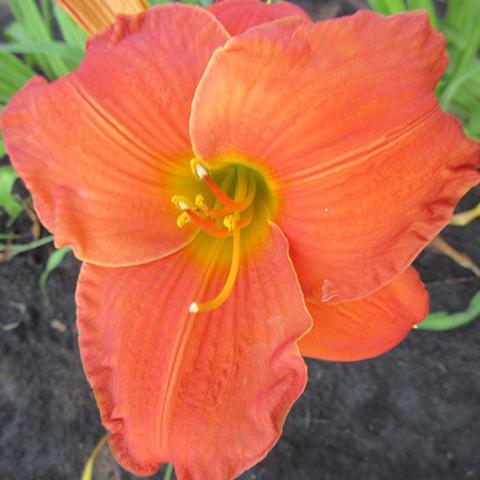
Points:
x=473, y=124
x=88, y=469
x=46, y=9
x=388, y=7
x=9, y=236
x=36, y=28
x=15, y=249
x=14, y=70
x=7, y=199
x=426, y=5
x=2, y=148
x=440, y=321
x=72, y=34
x=168, y=472
x=28, y=17
x=454, y=36
x=53, y=262
x=59, y=49
x=455, y=83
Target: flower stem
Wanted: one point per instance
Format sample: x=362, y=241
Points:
x=168, y=472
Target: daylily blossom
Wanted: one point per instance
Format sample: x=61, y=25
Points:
x=238, y=202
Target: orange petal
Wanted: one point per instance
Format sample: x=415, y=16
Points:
x=343, y=117
x=369, y=327
x=209, y=391
x=238, y=16
x=98, y=148
x=96, y=15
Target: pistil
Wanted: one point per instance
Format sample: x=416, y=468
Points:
x=229, y=283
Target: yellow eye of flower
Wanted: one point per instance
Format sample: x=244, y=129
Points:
x=233, y=201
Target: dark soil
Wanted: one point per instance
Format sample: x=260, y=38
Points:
x=413, y=413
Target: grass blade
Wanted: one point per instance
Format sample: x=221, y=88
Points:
x=7, y=199
x=453, y=86
x=426, y=5
x=60, y=49
x=168, y=472
x=35, y=25
x=72, y=34
x=440, y=321
x=88, y=469
x=388, y=7
x=54, y=260
x=8, y=251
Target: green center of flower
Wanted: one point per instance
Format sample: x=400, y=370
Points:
x=233, y=203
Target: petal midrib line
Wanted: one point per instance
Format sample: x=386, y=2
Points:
x=109, y=121
x=179, y=346
x=356, y=157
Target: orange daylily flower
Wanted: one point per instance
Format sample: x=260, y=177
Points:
x=226, y=194
x=235, y=15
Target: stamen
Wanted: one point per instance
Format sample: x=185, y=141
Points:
x=229, y=222
x=230, y=282
x=181, y=202
x=201, y=205
x=208, y=226
x=183, y=219
x=199, y=170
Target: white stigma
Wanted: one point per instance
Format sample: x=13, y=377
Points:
x=193, y=308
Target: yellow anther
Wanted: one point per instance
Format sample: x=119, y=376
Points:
x=181, y=202
x=199, y=170
x=200, y=204
x=183, y=219
x=229, y=222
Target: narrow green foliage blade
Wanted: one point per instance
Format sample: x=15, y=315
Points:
x=14, y=70
x=54, y=260
x=7, y=200
x=16, y=249
x=58, y=49
x=35, y=25
x=72, y=34
x=168, y=472
x=457, y=82
x=426, y=5
x=388, y=7
x=440, y=321
x=46, y=9
x=87, y=473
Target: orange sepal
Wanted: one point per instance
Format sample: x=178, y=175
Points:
x=238, y=16
x=209, y=391
x=369, y=327
x=98, y=149
x=96, y=15
x=342, y=116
